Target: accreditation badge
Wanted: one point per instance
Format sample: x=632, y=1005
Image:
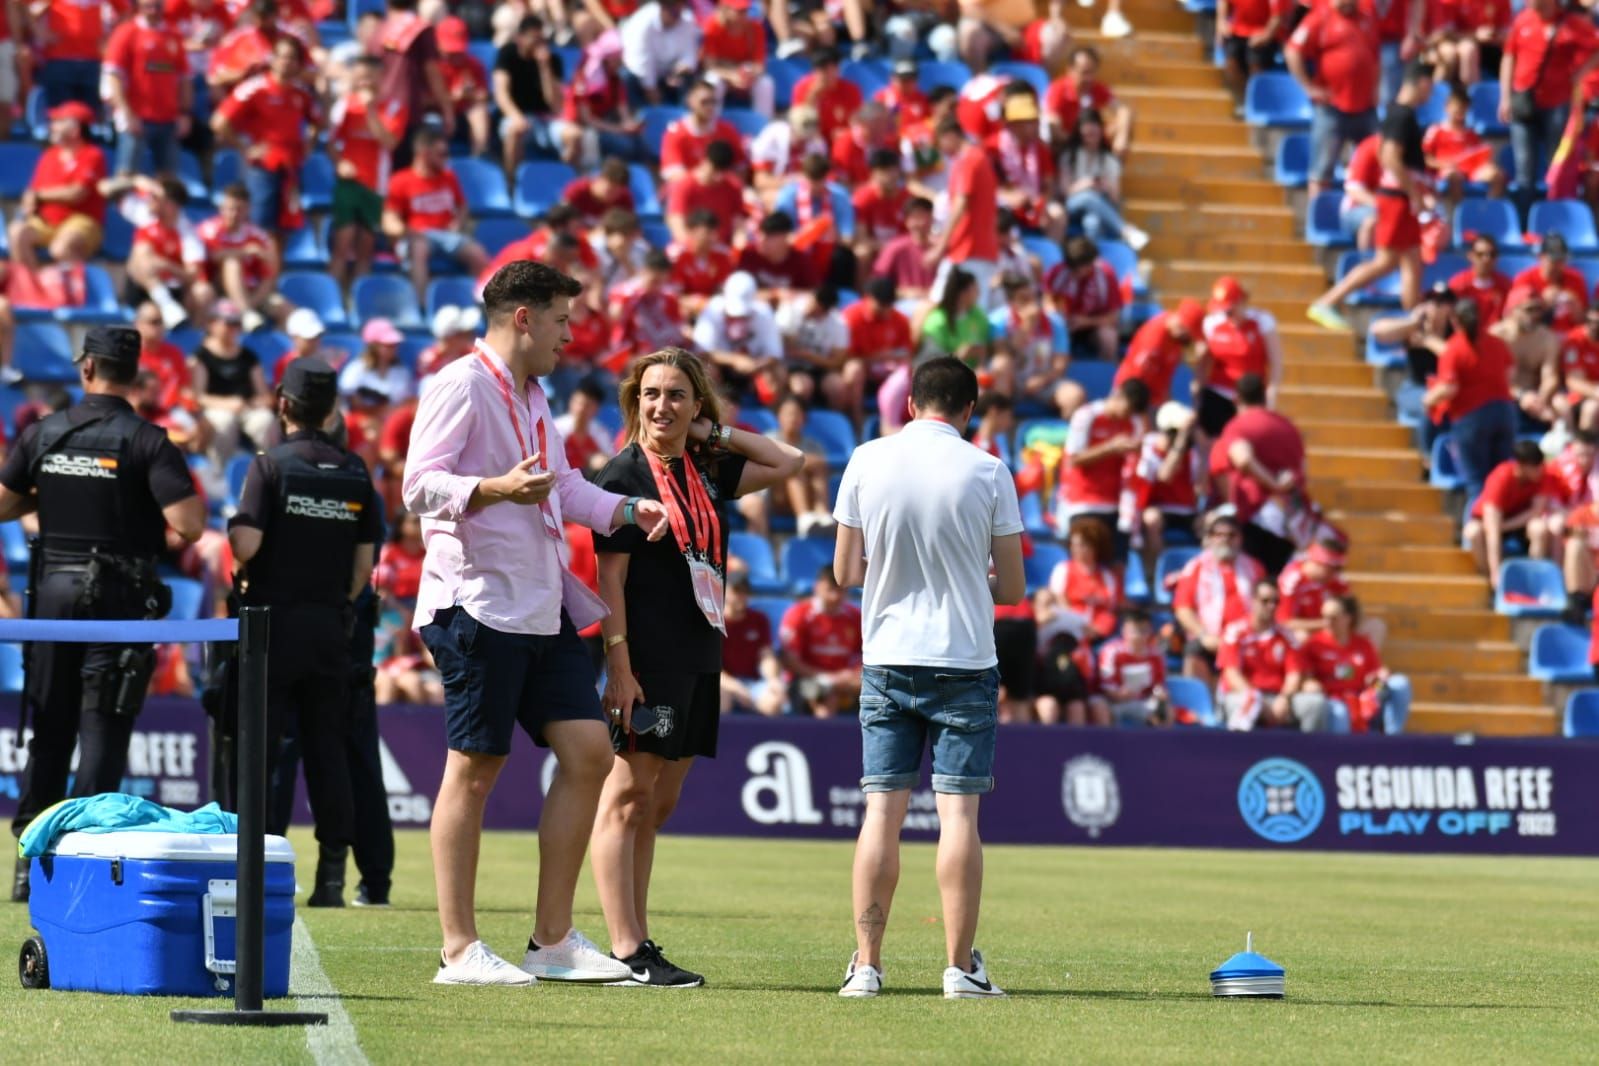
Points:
x=708, y=592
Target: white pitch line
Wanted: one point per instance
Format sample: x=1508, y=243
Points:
x=333, y=1044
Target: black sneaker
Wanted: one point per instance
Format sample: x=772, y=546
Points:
x=327, y=894
x=19, y=881
x=651, y=969
x=368, y=897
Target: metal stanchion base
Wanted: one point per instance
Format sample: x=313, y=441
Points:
x=250, y=1017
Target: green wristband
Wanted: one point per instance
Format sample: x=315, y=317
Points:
x=630, y=510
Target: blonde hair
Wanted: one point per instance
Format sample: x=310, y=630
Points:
x=710, y=404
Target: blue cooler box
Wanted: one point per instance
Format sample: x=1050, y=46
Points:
x=153, y=913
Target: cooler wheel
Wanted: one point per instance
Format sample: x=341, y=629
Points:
x=33, y=967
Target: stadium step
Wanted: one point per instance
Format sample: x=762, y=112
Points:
x=1393, y=527
x=1428, y=656
x=1454, y=687
x=1209, y=131
x=1325, y=372
x=1267, y=253
x=1434, y=590
x=1202, y=161
x=1367, y=403
x=1164, y=217
x=1477, y=718
x=1407, y=497
x=1410, y=559
x=1347, y=434
x=1301, y=282
x=1195, y=190
x=1422, y=620
x=1159, y=104
x=1394, y=463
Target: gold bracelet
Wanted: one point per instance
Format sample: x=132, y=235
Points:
x=614, y=640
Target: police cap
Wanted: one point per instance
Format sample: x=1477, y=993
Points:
x=311, y=381
x=112, y=344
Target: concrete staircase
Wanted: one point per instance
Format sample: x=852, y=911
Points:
x=1202, y=188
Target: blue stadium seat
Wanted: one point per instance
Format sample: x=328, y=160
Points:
x=1169, y=565
x=192, y=176
x=1383, y=355
x=495, y=233
x=342, y=341
x=227, y=167
x=410, y=350
x=1031, y=73
x=1559, y=654
x=1446, y=266
x=34, y=116
x=785, y=73
x=11, y=668
x=1571, y=219
x=318, y=292
x=656, y=119
x=1191, y=692
x=238, y=466
x=447, y=292
x=356, y=8
x=1275, y=100
x=1484, y=114
x=1033, y=520
x=117, y=241
x=1494, y=218
x=1047, y=251
x=100, y=305
x=386, y=296
x=803, y=557
x=834, y=433
x=483, y=185
x=869, y=75
x=931, y=73
x=307, y=247
x=1530, y=588
x=188, y=599
x=1095, y=377
x=1041, y=564
x=42, y=351
x=748, y=123
x=1124, y=261
x=539, y=185
x=1322, y=228
x=486, y=52
x=1590, y=271
x=1431, y=112
x=1292, y=167
x=1135, y=585
x=1384, y=292
x=1513, y=263
x=1582, y=714
x=1445, y=466
x=756, y=551
x=316, y=183
x=774, y=608
x=757, y=419
x=270, y=345
x=17, y=161
x=14, y=545
x=646, y=198
x=656, y=234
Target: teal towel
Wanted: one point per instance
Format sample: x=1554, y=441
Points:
x=112, y=812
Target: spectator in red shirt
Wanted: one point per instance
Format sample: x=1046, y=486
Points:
x=1026, y=168
x=597, y=119
x=778, y=151
x=1482, y=280
x=1263, y=675
x=63, y=207
x=146, y=81
x=903, y=95
x=1307, y=583
x=1549, y=51
x=363, y=134
x=1132, y=675
x=1102, y=434
x=870, y=129
x=1344, y=666
x=1080, y=88
x=686, y=140
x=733, y=49
x=174, y=389
x=1522, y=493
x=592, y=195
x=970, y=239
x=834, y=98
x=780, y=271
x=904, y=259
x=880, y=205
x=646, y=311
x=879, y=344
x=700, y=265
x=1456, y=153
x=1257, y=465
x=1249, y=33
x=1087, y=584
x=1579, y=366
x=1338, y=38
x=1032, y=348
x=71, y=37
x=1212, y=592
x=712, y=186
x=241, y=259
x=1161, y=345
x=1086, y=291
x=466, y=82
x=426, y=209
x=162, y=266
x=272, y=117
x=752, y=675
x=455, y=331
x=1473, y=388
x=1563, y=287
x=821, y=642
x=1239, y=340
x=1166, y=479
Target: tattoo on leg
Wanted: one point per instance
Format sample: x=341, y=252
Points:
x=872, y=921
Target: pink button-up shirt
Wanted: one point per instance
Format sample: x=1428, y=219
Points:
x=497, y=563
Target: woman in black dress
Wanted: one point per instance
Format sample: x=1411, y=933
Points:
x=663, y=639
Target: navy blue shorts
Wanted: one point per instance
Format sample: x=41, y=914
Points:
x=494, y=680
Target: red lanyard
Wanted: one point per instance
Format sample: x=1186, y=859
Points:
x=707, y=527
x=551, y=526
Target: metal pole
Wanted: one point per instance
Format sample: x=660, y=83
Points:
x=252, y=785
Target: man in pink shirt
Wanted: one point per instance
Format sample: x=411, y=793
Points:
x=500, y=612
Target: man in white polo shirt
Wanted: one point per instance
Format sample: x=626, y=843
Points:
x=919, y=515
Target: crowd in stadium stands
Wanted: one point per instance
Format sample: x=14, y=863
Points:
x=812, y=198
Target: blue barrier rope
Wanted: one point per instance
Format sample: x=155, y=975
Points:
x=97, y=631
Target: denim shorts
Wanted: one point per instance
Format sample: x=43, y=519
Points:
x=495, y=681
x=906, y=709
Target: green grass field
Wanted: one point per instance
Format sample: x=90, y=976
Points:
x=1105, y=952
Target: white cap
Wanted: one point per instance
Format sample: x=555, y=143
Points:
x=303, y=324
x=738, y=294
x=450, y=320
x=1172, y=417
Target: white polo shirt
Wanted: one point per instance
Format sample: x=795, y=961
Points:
x=929, y=505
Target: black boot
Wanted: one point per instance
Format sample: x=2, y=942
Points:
x=329, y=888
x=19, y=881
x=1576, y=612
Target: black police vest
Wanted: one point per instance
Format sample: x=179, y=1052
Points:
x=308, y=550
x=88, y=494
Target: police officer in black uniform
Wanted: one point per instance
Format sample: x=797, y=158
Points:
x=106, y=484
x=305, y=536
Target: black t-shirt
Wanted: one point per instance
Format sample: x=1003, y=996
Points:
x=150, y=458
x=1403, y=127
x=527, y=89
x=228, y=377
x=667, y=632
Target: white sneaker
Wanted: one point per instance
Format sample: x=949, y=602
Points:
x=480, y=966
x=574, y=959
x=1136, y=238
x=958, y=984
x=861, y=982
x=803, y=524
x=1115, y=24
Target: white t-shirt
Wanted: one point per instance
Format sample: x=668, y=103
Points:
x=929, y=505
x=826, y=335
x=756, y=334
